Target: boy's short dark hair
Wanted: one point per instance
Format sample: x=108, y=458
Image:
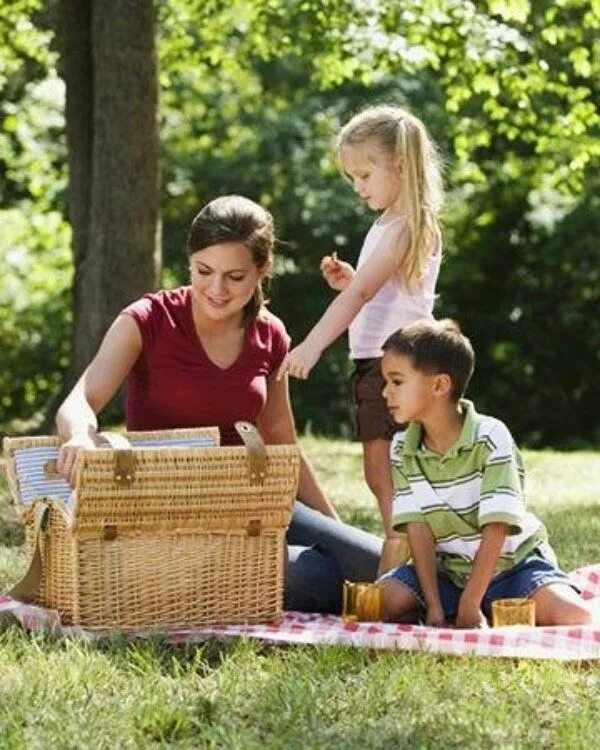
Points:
x=435, y=347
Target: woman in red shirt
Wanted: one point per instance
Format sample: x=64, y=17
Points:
x=208, y=354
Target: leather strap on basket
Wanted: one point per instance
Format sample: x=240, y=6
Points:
x=124, y=459
x=255, y=448
x=27, y=589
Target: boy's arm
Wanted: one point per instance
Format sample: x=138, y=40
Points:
x=422, y=548
x=469, y=609
x=408, y=516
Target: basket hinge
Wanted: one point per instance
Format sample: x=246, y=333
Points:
x=124, y=458
x=255, y=448
x=124, y=468
x=254, y=527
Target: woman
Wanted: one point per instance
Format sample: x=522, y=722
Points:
x=208, y=354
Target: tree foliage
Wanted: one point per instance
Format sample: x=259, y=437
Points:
x=35, y=265
x=252, y=95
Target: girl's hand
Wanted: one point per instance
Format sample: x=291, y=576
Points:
x=299, y=362
x=67, y=453
x=337, y=273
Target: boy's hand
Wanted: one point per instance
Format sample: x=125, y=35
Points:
x=470, y=615
x=435, y=617
x=337, y=273
x=300, y=361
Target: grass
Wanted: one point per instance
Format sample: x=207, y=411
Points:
x=63, y=693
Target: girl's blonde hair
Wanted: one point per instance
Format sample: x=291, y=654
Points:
x=402, y=136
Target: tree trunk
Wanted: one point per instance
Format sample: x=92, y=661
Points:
x=110, y=67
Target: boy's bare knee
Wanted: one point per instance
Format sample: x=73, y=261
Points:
x=398, y=602
x=571, y=615
x=561, y=605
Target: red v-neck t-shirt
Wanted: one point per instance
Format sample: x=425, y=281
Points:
x=173, y=383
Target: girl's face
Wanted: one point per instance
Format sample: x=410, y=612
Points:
x=224, y=278
x=375, y=179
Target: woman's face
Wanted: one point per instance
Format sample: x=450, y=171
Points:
x=224, y=278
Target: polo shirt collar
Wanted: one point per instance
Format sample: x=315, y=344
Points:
x=413, y=441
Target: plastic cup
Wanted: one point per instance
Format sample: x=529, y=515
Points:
x=507, y=612
x=362, y=602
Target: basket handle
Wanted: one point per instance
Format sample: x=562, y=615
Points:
x=124, y=458
x=255, y=448
x=26, y=590
x=50, y=469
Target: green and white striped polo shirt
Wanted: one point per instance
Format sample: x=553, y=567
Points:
x=478, y=481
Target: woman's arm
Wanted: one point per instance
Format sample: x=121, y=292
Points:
x=367, y=281
x=76, y=418
x=276, y=425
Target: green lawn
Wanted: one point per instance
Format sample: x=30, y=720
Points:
x=68, y=694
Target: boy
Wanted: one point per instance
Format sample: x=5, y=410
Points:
x=458, y=483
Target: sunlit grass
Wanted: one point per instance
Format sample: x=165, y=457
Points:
x=64, y=693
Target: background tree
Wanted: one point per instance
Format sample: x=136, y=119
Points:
x=110, y=69
x=252, y=94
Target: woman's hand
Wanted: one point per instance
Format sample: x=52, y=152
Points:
x=337, y=273
x=67, y=453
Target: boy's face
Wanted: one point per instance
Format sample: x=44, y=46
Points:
x=409, y=393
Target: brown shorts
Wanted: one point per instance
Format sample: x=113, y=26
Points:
x=371, y=414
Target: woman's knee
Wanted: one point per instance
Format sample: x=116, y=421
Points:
x=313, y=582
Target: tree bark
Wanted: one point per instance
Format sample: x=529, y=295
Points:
x=109, y=61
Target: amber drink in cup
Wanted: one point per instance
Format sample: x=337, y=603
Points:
x=362, y=602
x=513, y=612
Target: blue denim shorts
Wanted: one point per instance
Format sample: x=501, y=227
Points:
x=537, y=570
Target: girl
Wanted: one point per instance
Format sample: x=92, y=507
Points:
x=394, y=167
x=207, y=354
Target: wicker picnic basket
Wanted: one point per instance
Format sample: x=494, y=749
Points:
x=162, y=529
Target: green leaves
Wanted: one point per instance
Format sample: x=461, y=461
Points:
x=510, y=10
x=35, y=315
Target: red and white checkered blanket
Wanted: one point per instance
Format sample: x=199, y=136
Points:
x=563, y=643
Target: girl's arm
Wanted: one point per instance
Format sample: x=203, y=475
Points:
x=76, y=418
x=422, y=549
x=276, y=425
x=367, y=281
x=469, y=614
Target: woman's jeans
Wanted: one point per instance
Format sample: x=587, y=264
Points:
x=322, y=553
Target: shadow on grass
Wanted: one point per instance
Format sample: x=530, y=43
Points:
x=11, y=530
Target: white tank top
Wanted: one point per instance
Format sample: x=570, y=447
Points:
x=394, y=306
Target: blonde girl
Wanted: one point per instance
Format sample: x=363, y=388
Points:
x=394, y=167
